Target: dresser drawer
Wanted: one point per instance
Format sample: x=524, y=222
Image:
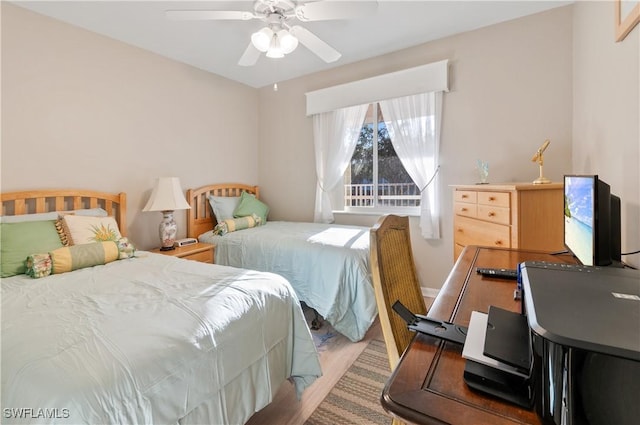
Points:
x=467, y=210
x=469, y=231
x=499, y=199
x=203, y=257
x=468, y=196
x=494, y=214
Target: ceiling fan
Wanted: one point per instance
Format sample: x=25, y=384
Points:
x=279, y=37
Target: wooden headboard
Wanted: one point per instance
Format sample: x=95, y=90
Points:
x=43, y=201
x=200, y=218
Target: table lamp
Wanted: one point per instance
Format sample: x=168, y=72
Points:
x=167, y=197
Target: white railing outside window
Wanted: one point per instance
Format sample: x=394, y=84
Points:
x=387, y=195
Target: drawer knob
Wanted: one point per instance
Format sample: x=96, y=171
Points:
x=492, y=198
x=491, y=214
x=498, y=243
x=463, y=209
x=464, y=196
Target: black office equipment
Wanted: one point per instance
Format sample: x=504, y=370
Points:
x=591, y=220
x=490, y=374
x=499, y=383
x=418, y=323
x=585, y=328
x=507, y=338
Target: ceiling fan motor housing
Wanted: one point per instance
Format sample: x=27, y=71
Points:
x=268, y=7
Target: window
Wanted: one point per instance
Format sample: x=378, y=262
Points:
x=375, y=179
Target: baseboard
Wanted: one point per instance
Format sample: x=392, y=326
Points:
x=430, y=292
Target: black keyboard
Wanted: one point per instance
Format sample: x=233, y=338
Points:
x=498, y=273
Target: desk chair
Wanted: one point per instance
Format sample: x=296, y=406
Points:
x=394, y=278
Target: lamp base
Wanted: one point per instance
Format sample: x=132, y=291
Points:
x=167, y=230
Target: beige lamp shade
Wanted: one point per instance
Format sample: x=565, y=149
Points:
x=167, y=196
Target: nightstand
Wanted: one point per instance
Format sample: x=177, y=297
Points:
x=202, y=252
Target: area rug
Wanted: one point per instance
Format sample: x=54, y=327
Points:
x=355, y=399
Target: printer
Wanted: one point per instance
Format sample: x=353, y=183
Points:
x=585, y=342
x=573, y=352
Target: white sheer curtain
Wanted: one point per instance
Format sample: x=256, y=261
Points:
x=335, y=135
x=413, y=123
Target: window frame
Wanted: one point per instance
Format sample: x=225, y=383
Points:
x=375, y=209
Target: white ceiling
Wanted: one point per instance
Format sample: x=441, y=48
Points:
x=216, y=46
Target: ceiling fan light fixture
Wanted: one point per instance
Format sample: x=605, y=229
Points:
x=288, y=42
x=262, y=39
x=275, y=50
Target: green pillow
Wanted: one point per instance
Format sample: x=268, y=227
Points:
x=19, y=240
x=250, y=205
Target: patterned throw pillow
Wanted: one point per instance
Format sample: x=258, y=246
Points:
x=76, y=257
x=80, y=229
x=93, y=212
x=233, y=224
x=38, y=265
x=80, y=256
x=125, y=249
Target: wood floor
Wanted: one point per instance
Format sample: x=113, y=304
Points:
x=286, y=409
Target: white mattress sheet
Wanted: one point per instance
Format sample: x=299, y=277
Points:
x=154, y=339
x=327, y=265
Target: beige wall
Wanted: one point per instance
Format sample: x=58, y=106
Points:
x=80, y=110
x=606, y=111
x=511, y=88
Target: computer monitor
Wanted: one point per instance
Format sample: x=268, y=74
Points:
x=591, y=220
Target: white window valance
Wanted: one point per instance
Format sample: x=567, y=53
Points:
x=432, y=77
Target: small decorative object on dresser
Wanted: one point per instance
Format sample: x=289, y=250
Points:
x=167, y=197
x=509, y=215
x=202, y=252
x=483, y=172
x=540, y=160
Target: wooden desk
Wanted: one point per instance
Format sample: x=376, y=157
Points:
x=427, y=386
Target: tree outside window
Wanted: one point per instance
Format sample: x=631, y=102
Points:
x=376, y=178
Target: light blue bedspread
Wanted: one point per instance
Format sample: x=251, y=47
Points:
x=326, y=264
x=150, y=340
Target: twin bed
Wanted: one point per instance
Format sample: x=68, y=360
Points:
x=147, y=339
x=326, y=264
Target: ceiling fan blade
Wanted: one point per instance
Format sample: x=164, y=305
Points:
x=313, y=43
x=326, y=10
x=250, y=56
x=205, y=15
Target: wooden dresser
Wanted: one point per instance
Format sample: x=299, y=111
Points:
x=511, y=215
